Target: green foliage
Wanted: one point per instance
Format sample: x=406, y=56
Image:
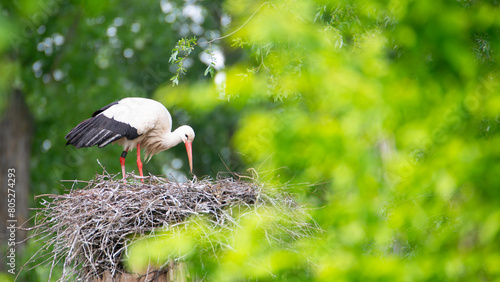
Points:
x=256, y=245
x=394, y=108
x=389, y=107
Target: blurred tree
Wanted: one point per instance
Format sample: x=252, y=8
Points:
x=15, y=149
x=394, y=106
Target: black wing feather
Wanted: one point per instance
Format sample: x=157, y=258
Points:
x=103, y=109
x=100, y=130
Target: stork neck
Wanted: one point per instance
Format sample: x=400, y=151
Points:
x=172, y=139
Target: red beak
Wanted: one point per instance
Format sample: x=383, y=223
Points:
x=189, y=151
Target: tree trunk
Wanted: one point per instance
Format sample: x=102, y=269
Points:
x=16, y=131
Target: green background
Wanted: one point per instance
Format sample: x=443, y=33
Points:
x=381, y=117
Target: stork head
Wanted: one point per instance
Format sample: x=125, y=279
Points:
x=187, y=135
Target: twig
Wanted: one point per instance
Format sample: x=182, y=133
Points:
x=238, y=29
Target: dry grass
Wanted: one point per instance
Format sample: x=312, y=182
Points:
x=87, y=231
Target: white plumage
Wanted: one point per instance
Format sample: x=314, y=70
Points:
x=132, y=122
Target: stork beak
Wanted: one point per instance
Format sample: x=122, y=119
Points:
x=190, y=155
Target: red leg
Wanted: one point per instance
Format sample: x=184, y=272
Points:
x=122, y=162
x=139, y=163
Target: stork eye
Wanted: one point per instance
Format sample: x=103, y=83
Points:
x=186, y=135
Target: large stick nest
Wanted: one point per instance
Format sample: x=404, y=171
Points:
x=87, y=231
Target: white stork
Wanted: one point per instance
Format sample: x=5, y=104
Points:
x=132, y=122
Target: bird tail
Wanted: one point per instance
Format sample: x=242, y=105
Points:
x=148, y=157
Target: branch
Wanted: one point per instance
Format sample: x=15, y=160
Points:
x=238, y=29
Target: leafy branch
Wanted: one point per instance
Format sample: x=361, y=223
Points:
x=181, y=51
x=210, y=69
x=185, y=46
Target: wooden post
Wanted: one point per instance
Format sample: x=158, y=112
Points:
x=173, y=273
